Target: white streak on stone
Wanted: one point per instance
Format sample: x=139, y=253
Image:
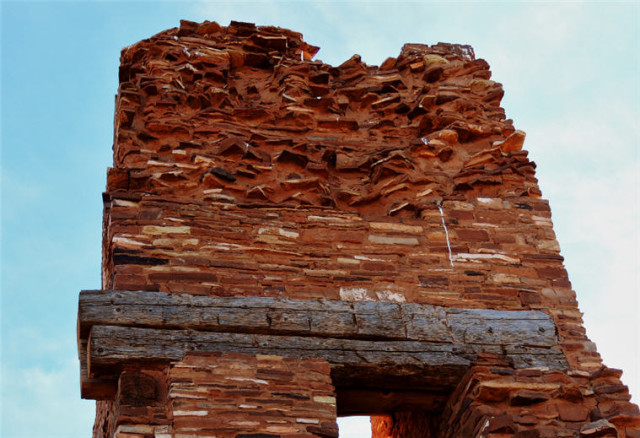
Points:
x=346, y=220
x=307, y=420
x=446, y=232
x=124, y=241
x=542, y=221
x=347, y=261
x=247, y=379
x=222, y=246
x=465, y=257
x=178, y=394
x=388, y=295
x=165, y=268
x=361, y=257
x=493, y=203
x=190, y=413
x=125, y=203
x=354, y=294
x=289, y=234
x=424, y=192
x=484, y=225
x=221, y=196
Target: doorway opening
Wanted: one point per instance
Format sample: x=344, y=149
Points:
x=356, y=426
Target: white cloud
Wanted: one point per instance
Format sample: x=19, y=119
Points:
x=38, y=402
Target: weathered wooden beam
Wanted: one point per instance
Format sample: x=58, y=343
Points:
x=399, y=346
x=112, y=345
x=358, y=362
x=111, y=348
x=102, y=388
x=320, y=318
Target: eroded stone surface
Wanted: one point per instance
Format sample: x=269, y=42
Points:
x=244, y=168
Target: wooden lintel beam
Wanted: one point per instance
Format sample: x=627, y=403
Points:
x=404, y=345
x=112, y=348
x=321, y=318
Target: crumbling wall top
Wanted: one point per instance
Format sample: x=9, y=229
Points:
x=242, y=113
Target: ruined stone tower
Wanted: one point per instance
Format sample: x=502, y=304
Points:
x=286, y=241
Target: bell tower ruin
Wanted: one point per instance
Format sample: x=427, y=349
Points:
x=285, y=242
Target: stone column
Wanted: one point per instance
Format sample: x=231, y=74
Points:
x=224, y=395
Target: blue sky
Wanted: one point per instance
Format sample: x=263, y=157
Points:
x=570, y=73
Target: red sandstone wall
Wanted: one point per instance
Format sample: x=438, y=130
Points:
x=242, y=167
x=496, y=401
x=226, y=396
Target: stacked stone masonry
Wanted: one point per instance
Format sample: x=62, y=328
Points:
x=226, y=396
x=500, y=402
x=244, y=168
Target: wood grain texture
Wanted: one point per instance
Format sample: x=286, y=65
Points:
x=399, y=346
x=321, y=318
